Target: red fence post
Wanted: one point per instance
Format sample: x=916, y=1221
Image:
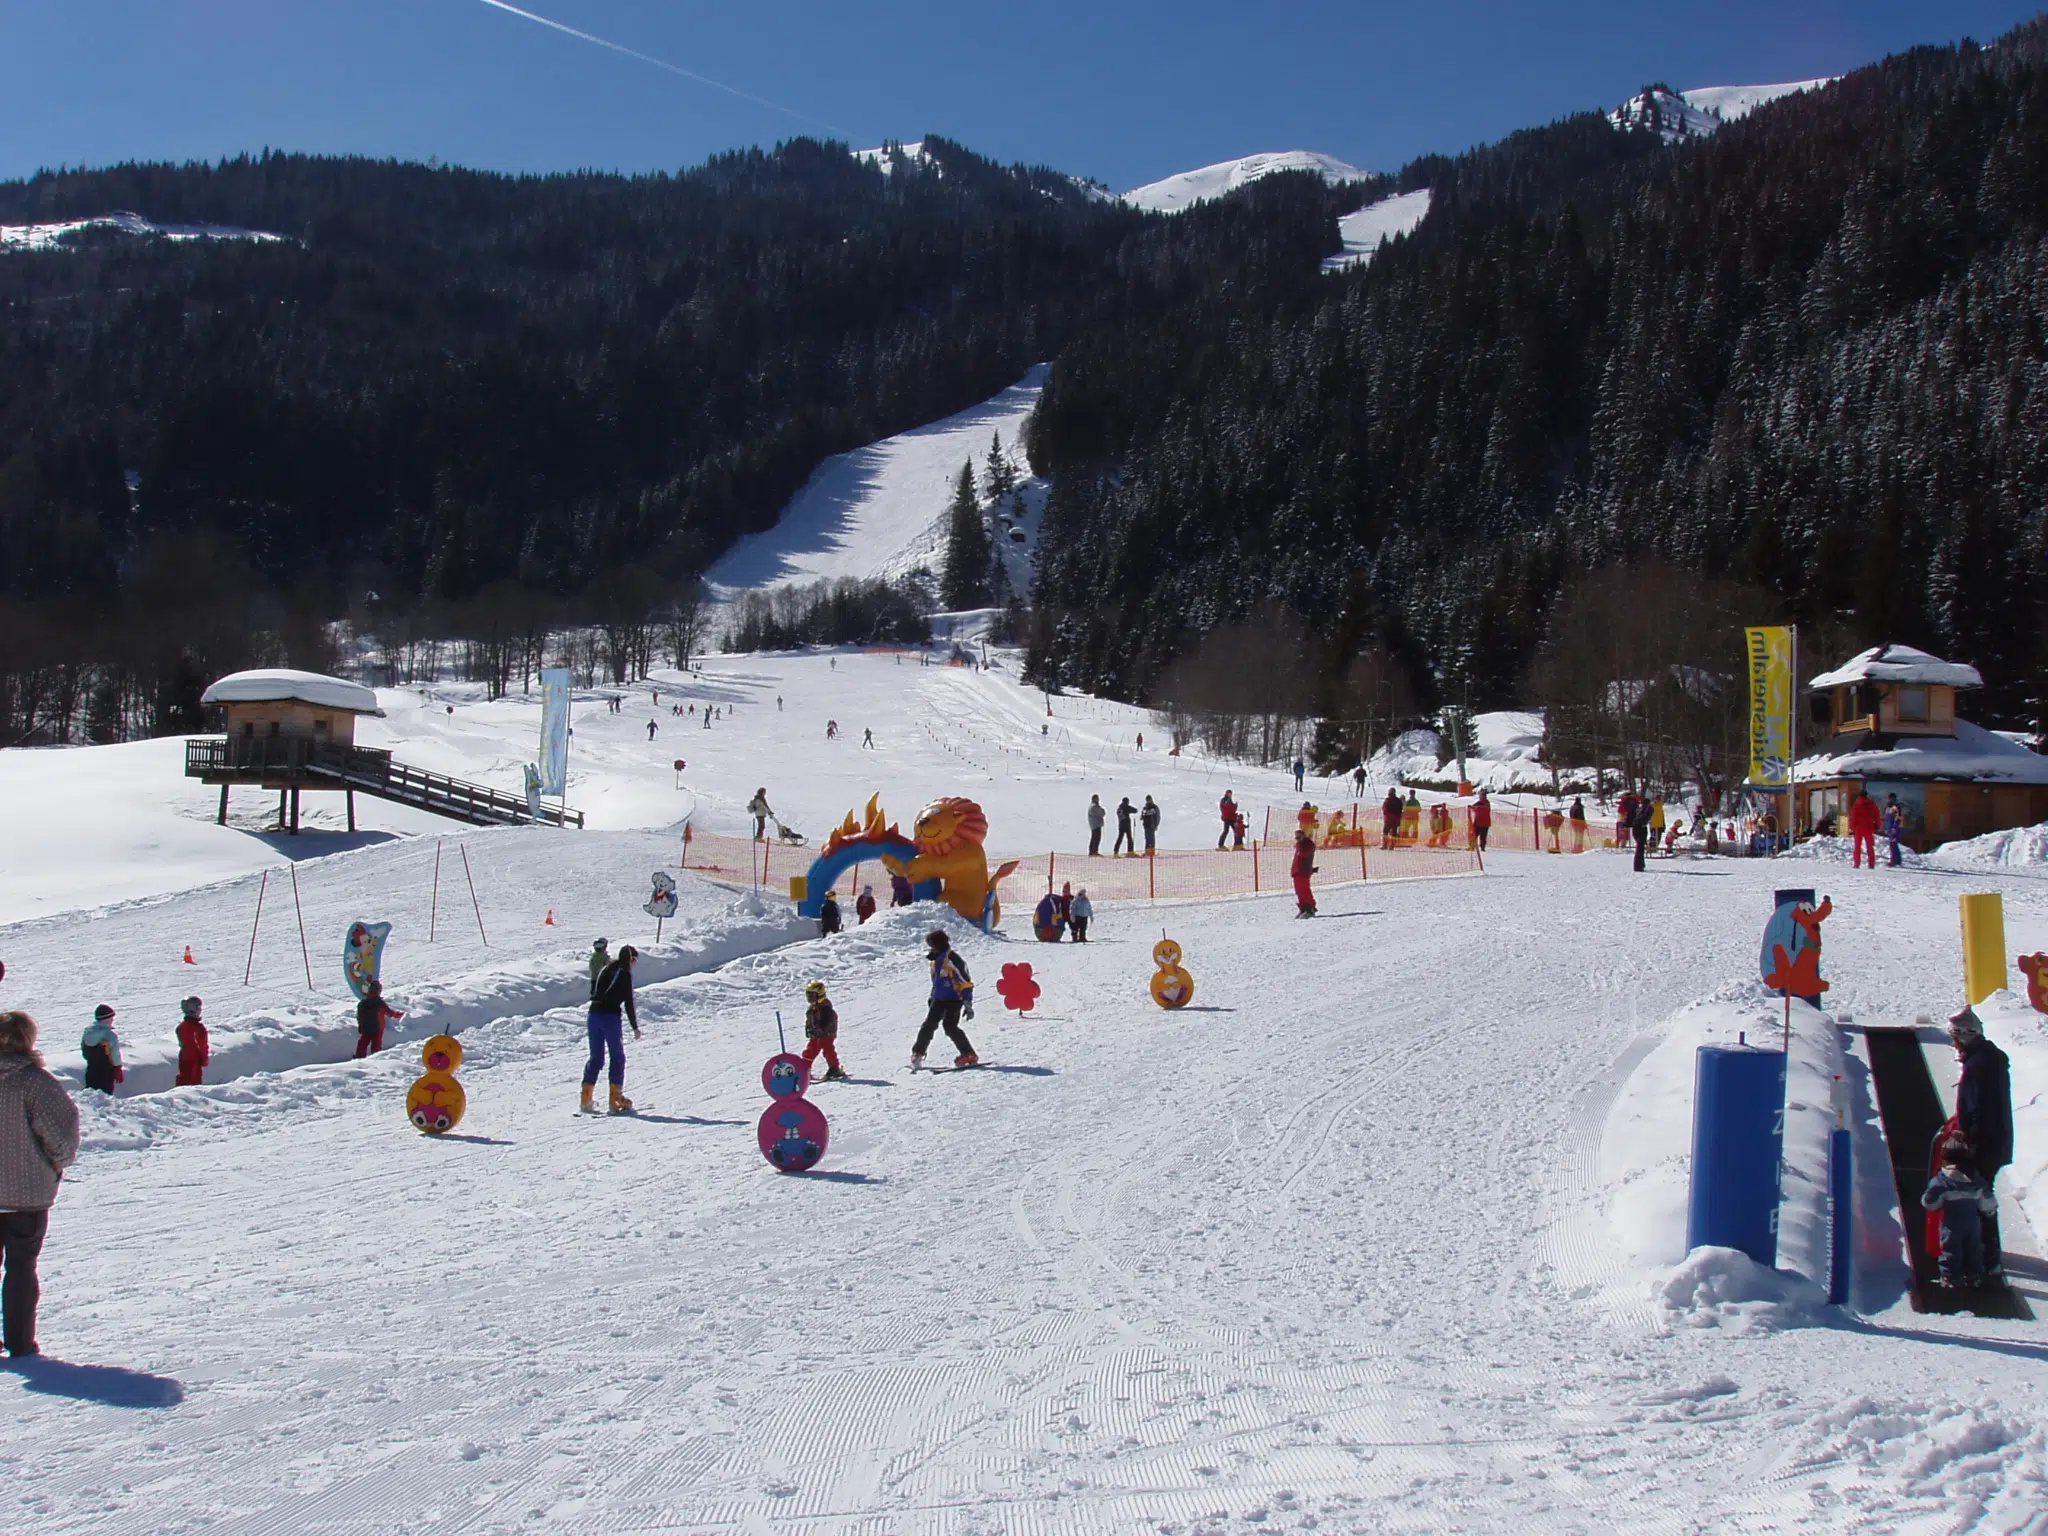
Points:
x=1255, y=865
x=1361, y=858
x=1151, y=877
x=1049, y=858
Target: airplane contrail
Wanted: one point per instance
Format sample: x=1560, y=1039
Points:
x=674, y=69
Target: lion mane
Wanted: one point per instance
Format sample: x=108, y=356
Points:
x=946, y=825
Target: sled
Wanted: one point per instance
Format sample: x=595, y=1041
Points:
x=790, y=835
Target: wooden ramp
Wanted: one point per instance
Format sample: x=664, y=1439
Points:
x=292, y=763
x=1911, y=1113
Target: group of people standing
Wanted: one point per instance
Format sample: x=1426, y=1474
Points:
x=1126, y=814
x=100, y=1045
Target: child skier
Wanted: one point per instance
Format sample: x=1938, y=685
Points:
x=864, y=905
x=1964, y=1200
x=1079, y=915
x=952, y=998
x=193, y=1046
x=828, y=915
x=614, y=993
x=600, y=957
x=372, y=1013
x=821, y=1029
x=102, y=1050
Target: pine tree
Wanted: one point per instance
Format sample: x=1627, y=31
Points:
x=964, y=583
x=1000, y=477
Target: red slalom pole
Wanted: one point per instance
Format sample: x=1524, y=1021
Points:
x=250, y=968
x=304, y=953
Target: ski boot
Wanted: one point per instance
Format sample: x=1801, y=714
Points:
x=589, y=1104
x=835, y=1075
x=968, y=1060
x=620, y=1104
x=917, y=1061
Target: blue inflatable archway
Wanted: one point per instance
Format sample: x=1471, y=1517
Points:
x=828, y=867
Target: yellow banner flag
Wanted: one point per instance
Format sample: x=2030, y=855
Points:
x=1770, y=706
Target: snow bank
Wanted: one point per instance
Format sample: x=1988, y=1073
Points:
x=1646, y=1162
x=2017, y=847
x=1842, y=850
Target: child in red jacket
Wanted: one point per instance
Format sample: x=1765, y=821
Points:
x=192, y=1044
x=821, y=1029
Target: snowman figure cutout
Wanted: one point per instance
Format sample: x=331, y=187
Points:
x=1172, y=987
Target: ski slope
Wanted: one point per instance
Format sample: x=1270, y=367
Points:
x=1364, y=231
x=1699, y=112
x=880, y=511
x=1383, y=1233
x=1171, y=194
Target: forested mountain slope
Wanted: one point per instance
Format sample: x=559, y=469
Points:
x=1806, y=353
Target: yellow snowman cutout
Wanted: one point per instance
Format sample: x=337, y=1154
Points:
x=436, y=1101
x=1172, y=987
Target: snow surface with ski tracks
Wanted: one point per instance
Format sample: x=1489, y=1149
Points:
x=1376, y=1235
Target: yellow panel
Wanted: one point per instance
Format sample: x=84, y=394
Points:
x=1983, y=946
x=799, y=887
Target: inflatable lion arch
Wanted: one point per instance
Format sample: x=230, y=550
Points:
x=949, y=834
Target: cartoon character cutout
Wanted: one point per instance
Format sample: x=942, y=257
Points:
x=435, y=1101
x=1172, y=986
x=2035, y=969
x=662, y=903
x=362, y=955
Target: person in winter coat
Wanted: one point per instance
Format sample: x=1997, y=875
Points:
x=1390, y=817
x=1300, y=773
x=102, y=1050
x=1238, y=829
x=1125, y=812
x=1578, y=818
x=372, y=1013
x=1984, y=1114
x=1966, y=1204
x=899, y=891
x=194, y=1048
x=1096, y=817
x=614, y=995
x=1358, y=782
x=828, y=915
x=1149, y=818
x=1894, y=826
x=650, y=730
x=758, y=808
x=1226, y=808
x=864, y=904
x=1303, y=867
x=1045, y=919
x=1864, y=818
x=1625, y=819
x=1079, y=914
x=38, y=1141
x=821, y=1031
x=600, y=957
x=952, y=999
x=1640, y=826
x=1411, y=818
x=1482, y=820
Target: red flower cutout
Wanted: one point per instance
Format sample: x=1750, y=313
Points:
x=1016, y=988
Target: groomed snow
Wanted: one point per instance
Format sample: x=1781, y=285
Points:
x=1729, y=103
x=56, y=236
x=264, y=684
x=1363, y=231
x=1174, y=193
x=1376, y=1235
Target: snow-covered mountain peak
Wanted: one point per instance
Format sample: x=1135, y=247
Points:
x=1190, y=187
x=1696, y=113
x=884, y=156
x=43, y=237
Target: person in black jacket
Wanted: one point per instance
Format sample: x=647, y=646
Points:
x=1639, y=824
x=613, y=995
x=1984, y=1115
x=828, y=915
x=371, y=1014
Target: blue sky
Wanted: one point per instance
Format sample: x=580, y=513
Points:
x=1123, y=90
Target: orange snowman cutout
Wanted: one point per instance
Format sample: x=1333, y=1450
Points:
x=436, y=1101
x=1172, y=986
x=2035, y=969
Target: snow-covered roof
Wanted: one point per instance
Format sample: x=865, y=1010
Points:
x=1973, y=753
x=266, y=684
x=1899, y=664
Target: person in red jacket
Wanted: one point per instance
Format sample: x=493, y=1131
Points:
x=1304, y=865
x=1864, y=818
x=1482, y=820
x=192, y=1044
x=1226, y=808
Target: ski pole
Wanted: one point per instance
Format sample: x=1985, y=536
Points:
x=779, y=1035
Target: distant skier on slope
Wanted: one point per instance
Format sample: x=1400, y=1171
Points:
x=614, y=994
x=952, y=998
x=101, y=1048
x=194, y=1049
x=651, y=728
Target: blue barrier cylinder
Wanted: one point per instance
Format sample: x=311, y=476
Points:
x=1841, y=1216
x=1738, y=1142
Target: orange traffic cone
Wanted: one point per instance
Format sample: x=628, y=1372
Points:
x=188, y=956
x=551, y=919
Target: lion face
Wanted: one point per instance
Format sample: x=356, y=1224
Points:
x=945, y=825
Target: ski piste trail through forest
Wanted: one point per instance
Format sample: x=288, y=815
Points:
x=1353, y=1242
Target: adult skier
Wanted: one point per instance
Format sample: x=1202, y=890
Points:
x=1358, y=782
x=1303, y=867
x=1300, y=772
x=194, y=1049
x=1864, y=819
x=101, y=1048
x=1096, y=816
x=1482, y=820
x=38, y=1141
x=952, y=999
x=372, y=1013
x=600, y=957
x=613, y=996
x=759, y=809
x=1984, y=1115
x=1149, y=818
x=1124, y=836
x=650, y=730
x=1226, y=808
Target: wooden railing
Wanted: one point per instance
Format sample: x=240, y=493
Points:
x=288, y=759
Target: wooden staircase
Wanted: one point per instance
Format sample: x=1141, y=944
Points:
x=294, y=763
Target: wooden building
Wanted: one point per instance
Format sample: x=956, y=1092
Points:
x=282, y=728
x=1885, y=723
